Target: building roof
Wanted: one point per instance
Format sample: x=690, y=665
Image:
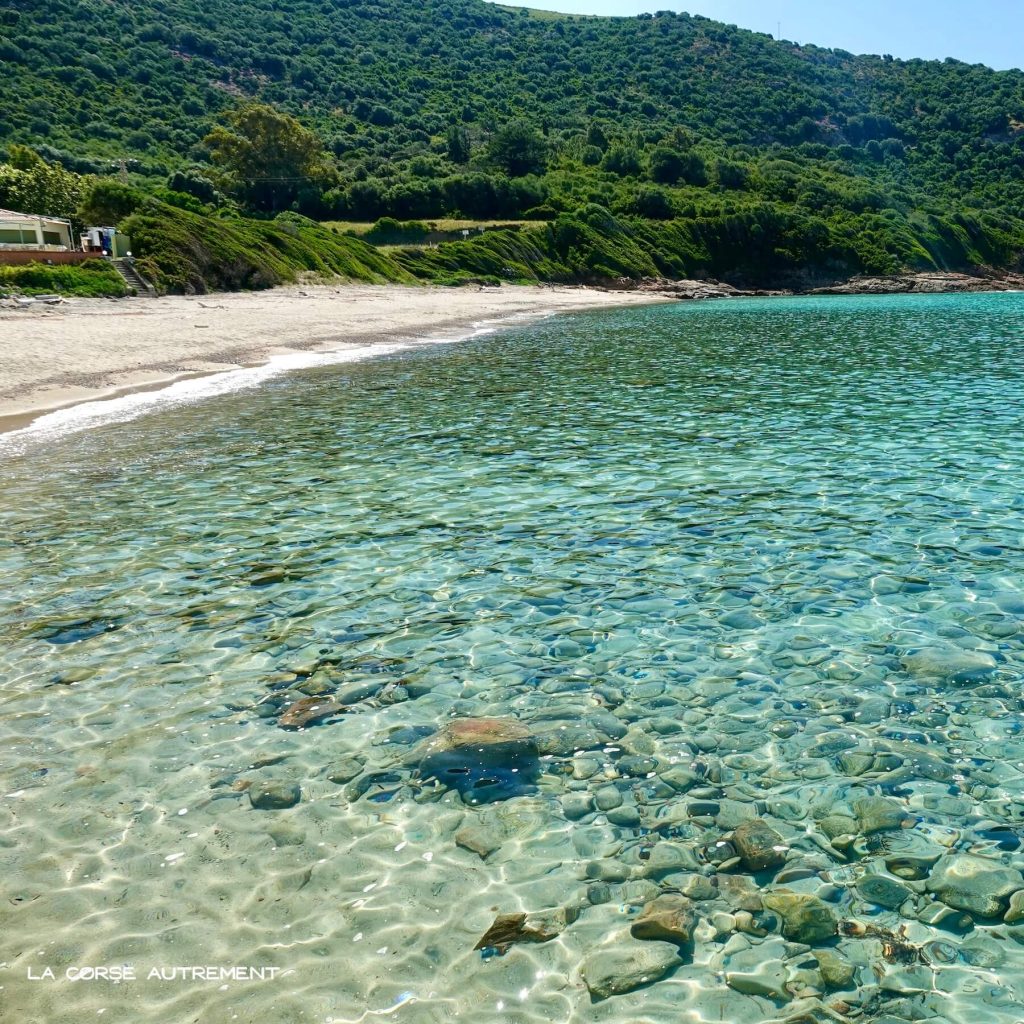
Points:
x=15, y=215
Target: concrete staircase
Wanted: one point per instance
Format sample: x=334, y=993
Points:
x=135, y=281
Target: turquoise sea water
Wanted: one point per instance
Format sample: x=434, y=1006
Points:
x=752, y=560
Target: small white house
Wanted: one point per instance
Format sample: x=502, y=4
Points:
x=28, y=231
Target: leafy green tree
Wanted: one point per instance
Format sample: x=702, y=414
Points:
x=457, y=144
x=109, y=201
x=518, y=149
x=623, y=160
x=39, y=187
x=266, y=157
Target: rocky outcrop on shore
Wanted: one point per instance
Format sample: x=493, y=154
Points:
x=925, y=283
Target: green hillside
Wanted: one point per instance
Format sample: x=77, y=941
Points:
x=762, y=156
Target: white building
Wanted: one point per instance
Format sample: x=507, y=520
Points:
x=27, y=231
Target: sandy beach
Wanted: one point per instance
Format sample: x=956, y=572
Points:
x=84, y=349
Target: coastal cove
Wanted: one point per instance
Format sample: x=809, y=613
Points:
x=655, y=663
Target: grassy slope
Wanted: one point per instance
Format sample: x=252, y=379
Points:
x=95, y=279
x=181, y=251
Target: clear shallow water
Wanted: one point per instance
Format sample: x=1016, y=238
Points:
x=773, y=547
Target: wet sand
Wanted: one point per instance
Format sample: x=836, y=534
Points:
x=87, y=349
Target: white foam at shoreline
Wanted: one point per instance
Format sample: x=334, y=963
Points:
x=86, y=415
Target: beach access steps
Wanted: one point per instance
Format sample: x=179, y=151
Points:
x=135, y=281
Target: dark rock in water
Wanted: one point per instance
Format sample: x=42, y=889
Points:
x=668, y=918
x=406, y=735
x=353, y=693
x=607, y=870
x=804, y=918
x=508, y=929
x=626, y=816
x=636, y=766
x=315, y=688
x=308, y=711
x=483, y=759
x=71, y=631
x=759, y=846
x=274, y=796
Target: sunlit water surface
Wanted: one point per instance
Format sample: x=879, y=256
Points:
x=754, y=559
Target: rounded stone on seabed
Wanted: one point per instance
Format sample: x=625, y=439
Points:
x=668, y=918
x=274, y=796
x=838, y=825
x=637, y=766
x=883, y=891
x=879, y=814
x=613, y=970
x=577, y=805
x=626, y=816
x=607, y=870
x=767, y=980
x=952, y=663
x=343, y=771
x=1016, y=910
x=805, y=918
x=759, y=846
x=836, y=971
x=585, y=767
x=607, y=798
x=979, y=885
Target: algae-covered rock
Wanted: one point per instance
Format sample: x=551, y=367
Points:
x=616, y=969
x=883, y=891
x=836, y=971
x=484, y=759
x=274, y=796
x=759, y=846
x=978, y=885
x=879, y=814
x=669, y=918
x=805, y=918
x=838, y=825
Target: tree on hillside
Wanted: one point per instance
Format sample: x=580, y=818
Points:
x=267, y=157
x=108, y=201
x=458, y=145
x=518, y=149
x=30, y=185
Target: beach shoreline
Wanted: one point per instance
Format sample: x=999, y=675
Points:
x=87, y=350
